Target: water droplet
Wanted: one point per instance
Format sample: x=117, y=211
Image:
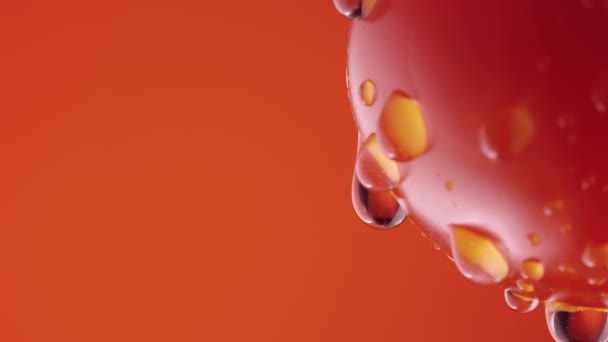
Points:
x=349, y=8
x=595, y=255
x=403, y=130
x=477, y=256
x=524, y=286
x=368, y=92
x=599, y=94
x=449, y=186
x=508, y=134
x=554, y=207
x=566, y=121
x=566, y=227
x=543, y=63
x=520, y=302
x=436, y=246
x=534, y=239
x=374, y=169
x=588, y=4
x=532, y=269
x=573, y=138
x=588, y=182
x=355, y=8
x=379, y=209
x=566, y=268
x=568, y=323
x=596, y=281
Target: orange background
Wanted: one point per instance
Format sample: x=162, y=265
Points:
x=180, y=171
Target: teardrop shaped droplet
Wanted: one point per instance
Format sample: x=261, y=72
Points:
x=519, y=302
x=379, y=209
x=402, y=129
x=353, y=9
x=374, y=169
x=507, y=134
x=567, y=323
x=349, y=8
x=477, y=256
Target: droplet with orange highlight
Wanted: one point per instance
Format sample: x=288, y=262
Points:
x=507, y=134
x=477, y=256
x=402, y=129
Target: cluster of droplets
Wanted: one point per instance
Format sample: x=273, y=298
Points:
x=401, y=136
x=381, y=163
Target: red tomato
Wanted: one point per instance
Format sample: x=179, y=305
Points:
x=485, y=121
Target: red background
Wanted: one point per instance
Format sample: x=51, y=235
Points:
x=180, y=171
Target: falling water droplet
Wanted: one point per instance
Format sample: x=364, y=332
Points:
x=568, y=323
x=402, y=128
x=519, y=302
x=353, y=9
x=374, y=169
x=477, y=256
x=379, y=209
x=508, y=134
x=349, y=8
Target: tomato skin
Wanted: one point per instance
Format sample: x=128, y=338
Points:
x=511, y=94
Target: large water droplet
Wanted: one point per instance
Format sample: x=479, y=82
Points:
x=374, y=169
x=595, y=255
x=568, y=324
x=477, y=256
x=404, y=135
x=532, y=269
x=520, y=302
x=507, y=134
x=379, y=209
